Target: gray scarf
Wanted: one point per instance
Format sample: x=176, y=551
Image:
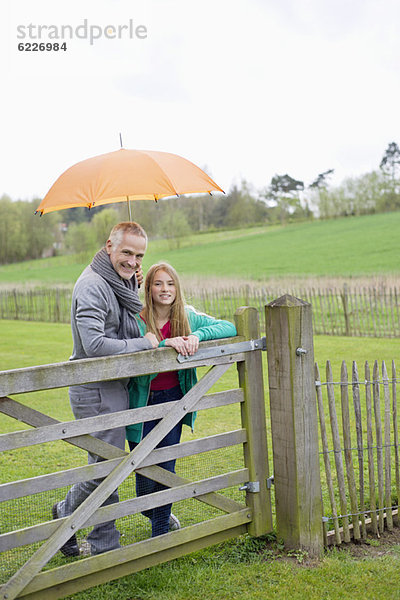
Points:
x=126, y=292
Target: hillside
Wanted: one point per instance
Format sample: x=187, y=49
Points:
x=348, y=247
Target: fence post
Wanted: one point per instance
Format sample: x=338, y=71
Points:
x=345, y=302
x=254, y=421
x=16, y=305
x=294, y=423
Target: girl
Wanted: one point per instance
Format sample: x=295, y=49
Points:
x=182, y=328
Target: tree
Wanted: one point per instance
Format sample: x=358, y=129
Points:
x=364, y=193
x=175, y=227
x=77, y=214
x=321, y=181
x=13, y=237
x=43, y=233
x=80, y=239
x=24, y=235
x=390, y=166
x=243, y=208
x=199, y=210
x=102, y=223
x=390, y=163
x=283, y=192
x=319, y=189
x=354, y=196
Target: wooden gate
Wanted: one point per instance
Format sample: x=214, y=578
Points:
x=251, y=514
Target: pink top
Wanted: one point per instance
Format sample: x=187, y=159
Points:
x=165, y=381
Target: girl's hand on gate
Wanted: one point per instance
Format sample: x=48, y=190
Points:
x=192, y=344
x=178, y=343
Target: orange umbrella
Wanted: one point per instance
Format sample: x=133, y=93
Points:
x=125, y=175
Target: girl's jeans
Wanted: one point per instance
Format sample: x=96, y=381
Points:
x=159, y=516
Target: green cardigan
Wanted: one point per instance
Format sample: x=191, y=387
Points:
x=205, y=328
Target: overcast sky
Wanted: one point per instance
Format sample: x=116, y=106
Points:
x=245, y=88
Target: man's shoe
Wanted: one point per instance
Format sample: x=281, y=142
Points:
x=174, y=523
x=70, y=548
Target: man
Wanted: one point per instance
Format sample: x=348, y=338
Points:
x=104, y=303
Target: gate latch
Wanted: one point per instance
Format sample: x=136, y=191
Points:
x=250, y=486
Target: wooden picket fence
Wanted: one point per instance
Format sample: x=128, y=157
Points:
x=367, y=311
x=348, y=311
x=47, y=305
x=361, y=440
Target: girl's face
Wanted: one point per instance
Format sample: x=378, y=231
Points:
x=163, y=290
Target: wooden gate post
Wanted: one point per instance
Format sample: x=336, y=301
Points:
x=258, y=495
x=294, y=426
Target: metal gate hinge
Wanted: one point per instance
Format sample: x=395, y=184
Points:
x=270, y=482
x=250, y=486
x=224, y=350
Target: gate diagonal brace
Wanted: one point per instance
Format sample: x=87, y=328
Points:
x=225, y=350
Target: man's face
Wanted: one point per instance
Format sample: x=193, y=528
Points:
x=126, y=257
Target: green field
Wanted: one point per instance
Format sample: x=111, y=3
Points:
x=348, y=247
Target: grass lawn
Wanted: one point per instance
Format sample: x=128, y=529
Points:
x=245, y=568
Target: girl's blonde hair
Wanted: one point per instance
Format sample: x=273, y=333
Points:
x=179, y=321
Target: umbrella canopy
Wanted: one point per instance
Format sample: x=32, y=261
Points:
x=125, y=175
